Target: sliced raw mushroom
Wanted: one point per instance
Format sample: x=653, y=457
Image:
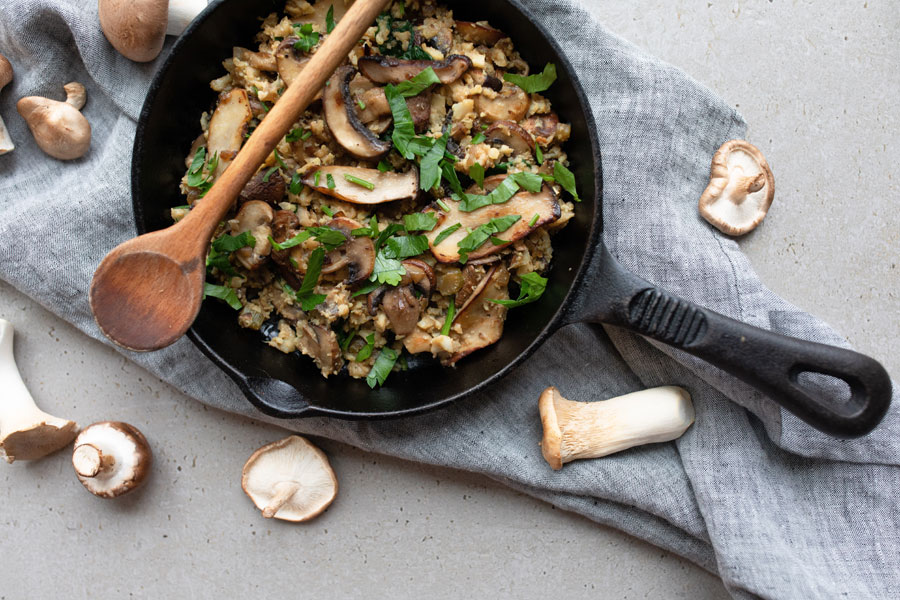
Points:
x=510, y=134
x=265, y=189
x=256, y=217
x=286, y=225
x=386, y=186
x=542, y=127
x=479, y=33
x=289, y=479
x=290, y=63
x=400, y=303
x=6, y=75
x=138, y=28
x=741, y=188
x=481, y=321
x=320, y=344
x=59, y=128
x=525, y=204
x=357, y=254
x=387, y=69
x=26, y=432
x=227, y=126
x=111, y=458
x=342, y=120
x=510, y=104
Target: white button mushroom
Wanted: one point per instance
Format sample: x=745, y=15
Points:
x=138, y=28
x=111, y=458
x=741, y=188
x=26, y=432
x=574, y=430
x=289, y=479
x=6, y=75
x=59, y=128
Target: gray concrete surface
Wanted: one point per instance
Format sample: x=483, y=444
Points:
x=818, y=82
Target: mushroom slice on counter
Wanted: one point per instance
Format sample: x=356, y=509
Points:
x=270, y=190
x=59, y=128
x=387, y=69
x=510, y=134
x=741, y=188
x=256, y=217
x=400, y=304
x=482, y=321
x=357, y=254
x=525, y=204
x=342, y=120
x=6, y=75
x=290, y=63
x=227, y=126
x=289, y=479
x=320, y=344
x=479, y=33
x=111, y=458
x=386, y=186
x=510, y=104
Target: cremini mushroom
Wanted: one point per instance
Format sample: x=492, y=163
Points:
x=509, y=104
x=401, y=304
x=338, y=181
x=356, y=255
x=480, y=321
x=741, y=188
x=320, y=344
x=377, y=109
x=387, y=69
x=6, y=75
x=344, y=123
x=59, y=128
x=510, y=133
x=264, y=186
x=138, y=28
x=111, y=458
x=256, y=217
x=574, y=430
x=290, y=479
x=26, y=432
x=479, y=33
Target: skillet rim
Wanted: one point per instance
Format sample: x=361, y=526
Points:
x=556, y=321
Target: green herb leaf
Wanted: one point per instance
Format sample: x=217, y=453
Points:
x=529, y=181
x=534, y=220
x=223, y=293
x=405, y=246
x=366, y=289
x=387, y=270
x=443, y=205
x=418, y=84
x=532, y=287
x=534, y=83
x=404, y=131
x=354, y=179
x=478, y=138
x=476, y=172
x=345, y=343
x=370, y=231
x=566, y=179
x=329, y=181
x=329, y=19
x=311, y=301
x=500, y=194
x=296, y=184
x=280, y=162
x=382, y=367
x=328, y=237
x=313, y=269
x=429, y=169
x=423, y=221
x=448, y=320
x=443, y=235
x=449, y=172
x=384, y=166
x=366, y=350
x=294, y=135
x=361, y=105
x=539, y=154
x=483, y=233
x=316, y=178
x=294, y=241
x=388, y=232
x=222, y=247
x=327, y=210
x=308, y=37
x=269, y=174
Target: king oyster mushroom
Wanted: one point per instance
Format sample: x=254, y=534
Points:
x=320, y=344
x=256, y=217
x=525, y=204
x=227, y=126
x=400, y=303
x=342, y=120
x=479, y=33
x=510, y=134
x=387, y=69
x=480, y=321
x=357, y=254
x=510, y=104
x=290, y=63
x=6, y=75
x=336, y=181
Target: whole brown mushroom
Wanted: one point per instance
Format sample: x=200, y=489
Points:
x=59, y=128
x=138, y=28
x=111, y=458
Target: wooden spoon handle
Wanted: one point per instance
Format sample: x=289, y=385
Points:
x=204, y=217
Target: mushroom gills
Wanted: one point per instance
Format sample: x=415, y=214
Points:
x=387, y=69
x=357, y=254
x=256, y=217
x=387, y=186
x=740, y=191
x=227, y=126
x=510, y=134
x=342, y=120
x=481, y=321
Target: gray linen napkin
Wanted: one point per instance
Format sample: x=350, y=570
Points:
x=777, y=509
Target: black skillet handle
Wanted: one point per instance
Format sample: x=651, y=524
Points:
x=768, y=361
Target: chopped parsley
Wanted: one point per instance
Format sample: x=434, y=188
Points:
x=353, y=179
x=387, y=270
x=503, y=192
x=478, y=138
x=298, y=133
x=345, y=343
x=329, y=19
x=423, y=221
x=361, y=105
x=538, y=154
x=370, y=231
x=418, y=84
x=392, y=46
x=366, y=350
x=531, y=288
x=448, y=321
x=329, y=181
x=269, y=174
x=308, y=37
x=366, y=289
x=328, y=237
x=382, y=367
x=327, y=210
x=483, y=233
x=405, y=246
x=566, y=179
x=195, y=176
x=476, y=172
x=443, y=205
x=223, y=293
x=429, y=167
x=443, y=235
x=316, y=178
x=384, y=166
x=309, y=300
x=404, y=131
x=534, y=220
x=222, y=247
x=296, y=184
x=534, y=83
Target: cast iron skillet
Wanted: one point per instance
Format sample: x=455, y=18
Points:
x=586, y=283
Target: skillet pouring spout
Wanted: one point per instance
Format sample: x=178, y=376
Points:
x=771, y=362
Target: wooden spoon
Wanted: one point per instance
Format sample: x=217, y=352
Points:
x=148, y=290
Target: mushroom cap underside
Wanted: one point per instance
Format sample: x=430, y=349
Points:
x=740, y=190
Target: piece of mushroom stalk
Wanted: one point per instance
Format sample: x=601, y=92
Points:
x=59, y=128
x=576, y=430
x=6, y=75
x=337, y=181
x=256, y=217
x=26, y=432
x=400, y=304
x=741, y=188
x=344, y=123
x=290, y=479
x=111, y=458
x=387, y=69
x=138, y=28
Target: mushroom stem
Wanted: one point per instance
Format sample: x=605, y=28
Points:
x=90, y=461
x=283, y=492
x=76, y=95
x=574, y=430
x=181, y=13
x=6, y=143
x=26, y=432
x=752, y=184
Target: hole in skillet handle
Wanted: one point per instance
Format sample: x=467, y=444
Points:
x=275, y=398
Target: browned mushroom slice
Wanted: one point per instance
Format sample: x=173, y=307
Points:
x=387, y=69
x=386, y=186
x=482, y=321
x=419, y=274
x=266, y=189
x=227, y=126
x=345, y=126
x=322, y=345
x=478, y=33
x=510, y=104
x=258, y=60
x=400, y=304
x=255, y=217
x=286, y=225
x=525, y=204
x=357, y=254
x=542, y=127
x=291, y=62
x=377, y=108
x=512, y=135
x=319, y=15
